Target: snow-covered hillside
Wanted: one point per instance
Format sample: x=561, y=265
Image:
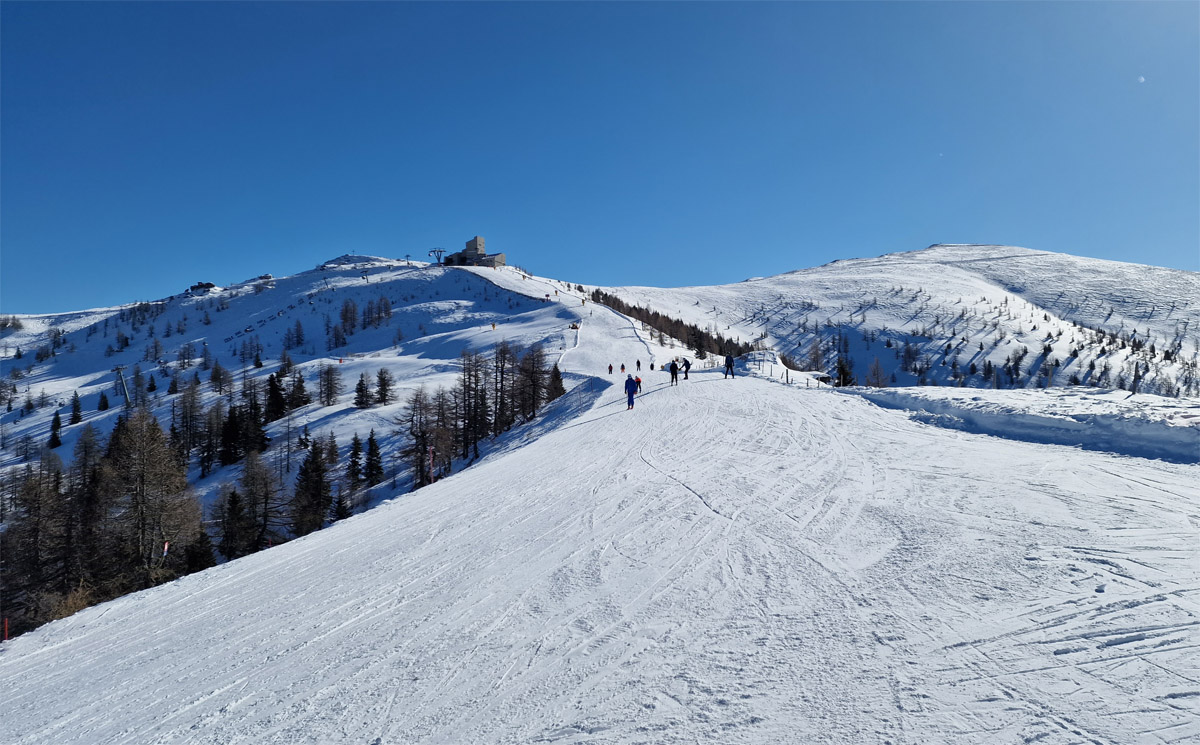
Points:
x=955, y=309
x=436, y=313
x=733, y=561
x=757, y=560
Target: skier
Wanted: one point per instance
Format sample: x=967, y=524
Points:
x=639, y=365
x=687, y=365
x=610, y=369
x=630, y=389
x=674, y=369
x=622, y=367
x=638, y=380
x=729, y=366
x=651, y=367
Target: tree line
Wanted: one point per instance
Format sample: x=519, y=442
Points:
x=703, y=341
x=490, y=396
x=120, y=518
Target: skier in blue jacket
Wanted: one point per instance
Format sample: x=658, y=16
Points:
x=630, y=389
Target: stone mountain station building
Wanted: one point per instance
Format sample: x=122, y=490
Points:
x=473, y=255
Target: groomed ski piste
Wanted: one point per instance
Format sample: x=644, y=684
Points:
x=733, y=561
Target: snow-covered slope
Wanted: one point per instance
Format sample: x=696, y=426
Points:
x=962, y=306
x=733, y=561
x=436, y=313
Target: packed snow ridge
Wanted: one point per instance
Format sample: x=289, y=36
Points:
x=760, y=559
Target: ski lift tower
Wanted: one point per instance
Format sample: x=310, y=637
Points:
x=438, y=253
x=121, y=383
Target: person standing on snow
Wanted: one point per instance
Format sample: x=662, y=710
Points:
x=622, y=367
x=610, y=369
x=630, y=389
x=638, y=380
x=674, y=369
x=729, y=365
x=687, y=365
x=639, y=365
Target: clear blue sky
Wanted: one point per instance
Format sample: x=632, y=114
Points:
x=146, y=146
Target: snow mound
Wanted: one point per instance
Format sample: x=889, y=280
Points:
x=1112, y=421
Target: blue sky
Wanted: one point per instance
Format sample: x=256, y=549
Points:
x=147, y=146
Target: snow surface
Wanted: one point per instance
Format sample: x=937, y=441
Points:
x=733, y=561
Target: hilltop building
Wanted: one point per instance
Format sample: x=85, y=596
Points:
x=474, y=255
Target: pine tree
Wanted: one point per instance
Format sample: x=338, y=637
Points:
x=383, y=386
x=331, y=450
x=76, y=409
x=277, y=407
x=362, y=392
x=354, y=473
x=374, y=466
x=298, y=394
x=208, y=436
x=340, y=510
x=198, y=553
x=102, y=405
x=232, y=446
x=254, y=435
x=313, y=497
x=236, y=526
x=555, y=388
x=55, y=426
x=32, y=547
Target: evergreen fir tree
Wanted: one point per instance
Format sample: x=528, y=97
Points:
x=354, y=473
x=373, y=471
x=236, y=527
x=232, y=444
x=362, y=392
x=341, y=508
x=298, y=394
x=383, y=386
x=312, y=500
x=277, y=407
x=198, y=554
x=102, y=405
x=331, y=450
x=55, y=426
x=555, y=388
x=76, y=409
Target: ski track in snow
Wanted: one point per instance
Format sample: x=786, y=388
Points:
x=733, y=561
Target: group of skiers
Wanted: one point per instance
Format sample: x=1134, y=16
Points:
x=633, y=385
